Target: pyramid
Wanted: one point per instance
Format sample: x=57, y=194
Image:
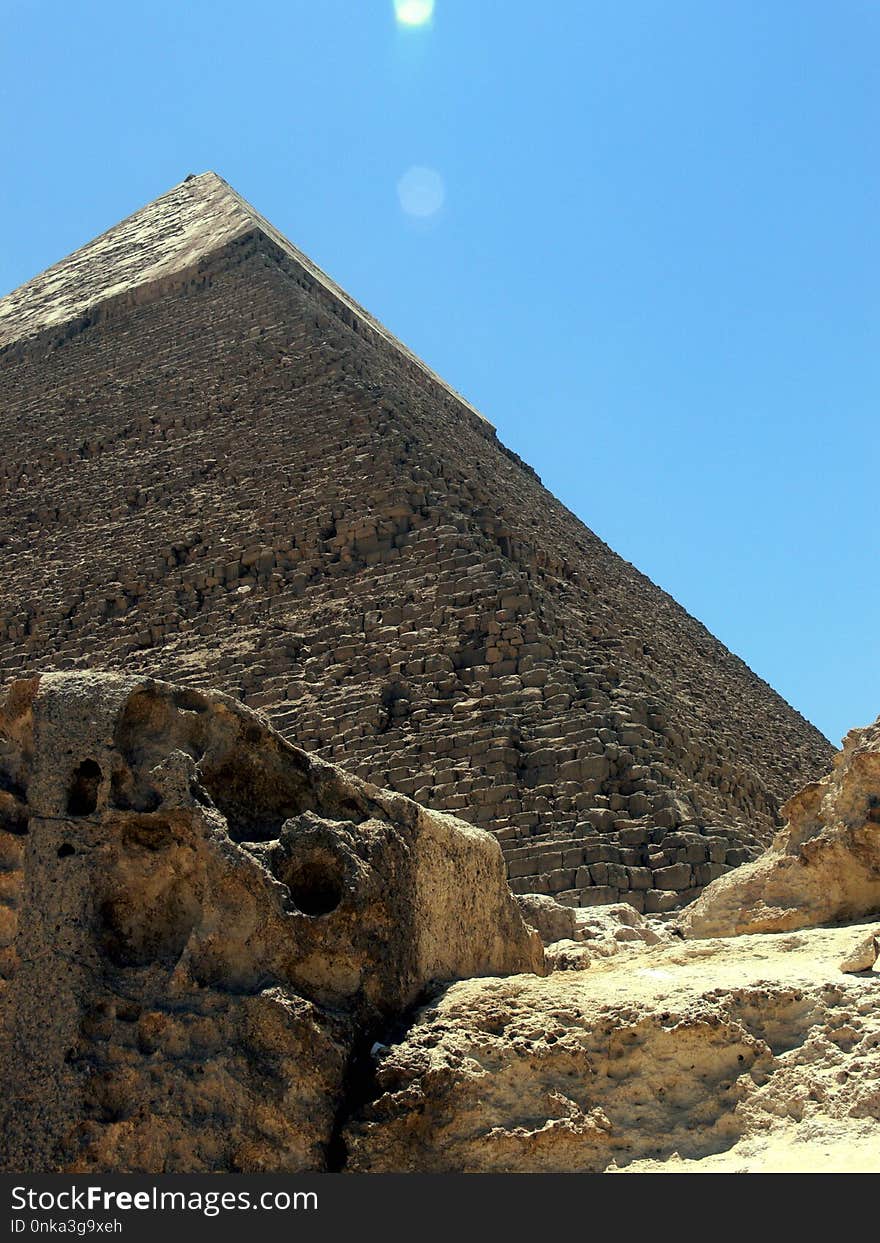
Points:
x=218, y=469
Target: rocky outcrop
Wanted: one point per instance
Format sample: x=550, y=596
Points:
x=823, y=866
x=203, y=926
x=550, y=918
x=752, y=1054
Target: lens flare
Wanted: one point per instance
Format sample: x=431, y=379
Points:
x=421, y=191
x=413, y=12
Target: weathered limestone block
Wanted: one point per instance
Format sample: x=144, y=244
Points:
x=659, y=900
x=205, y=924
x=606, y=927
x=864, y=953
x=823, y=866
x=676, y=876
x=598, y=895
x=553, y=921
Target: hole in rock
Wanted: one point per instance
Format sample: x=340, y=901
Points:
x=13, y=816
x=152, y=725
x=126, y=795
x=188, y=700
x=82, y=797
x=138, y=930
x=315, y=882
x=65, y=850
x=10, y=786
x=256, y=791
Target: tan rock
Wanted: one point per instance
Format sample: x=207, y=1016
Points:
x=863, y=955
x=553, y=921
x=607, y=929
x=575, y=936
x=823, y=866
x=732, y=1055
x=209, y=922
x=567, y=955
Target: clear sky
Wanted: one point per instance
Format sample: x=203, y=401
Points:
x=641, y=237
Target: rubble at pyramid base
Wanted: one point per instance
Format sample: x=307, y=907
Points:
x=223, y=954
x=750, y=1054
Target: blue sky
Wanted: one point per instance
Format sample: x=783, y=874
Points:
x=641, y=238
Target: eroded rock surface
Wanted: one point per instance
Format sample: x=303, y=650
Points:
x=751, y=1054
x=823, y=866
x=202, y=924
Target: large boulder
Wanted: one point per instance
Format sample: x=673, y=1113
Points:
x=824, y=866
x=552, y=920
x=202, y=925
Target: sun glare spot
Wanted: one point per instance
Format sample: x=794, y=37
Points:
x=413, y=12
x=421, y=191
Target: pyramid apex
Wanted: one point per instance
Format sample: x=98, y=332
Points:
x=200, y=215
x=169, y=237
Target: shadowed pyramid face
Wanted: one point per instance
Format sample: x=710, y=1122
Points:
x=221, y=470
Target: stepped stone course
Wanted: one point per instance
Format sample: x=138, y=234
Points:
x=218, y=469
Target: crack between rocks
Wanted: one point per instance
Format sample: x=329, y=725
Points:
x=359, y=1084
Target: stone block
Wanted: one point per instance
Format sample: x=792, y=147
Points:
x=599, y=895
x=677, y=876
x=659, y=900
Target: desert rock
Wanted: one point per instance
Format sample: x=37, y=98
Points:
x=823, y=866
x=863, y=955
x=750, y=1054
x=202, y=924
